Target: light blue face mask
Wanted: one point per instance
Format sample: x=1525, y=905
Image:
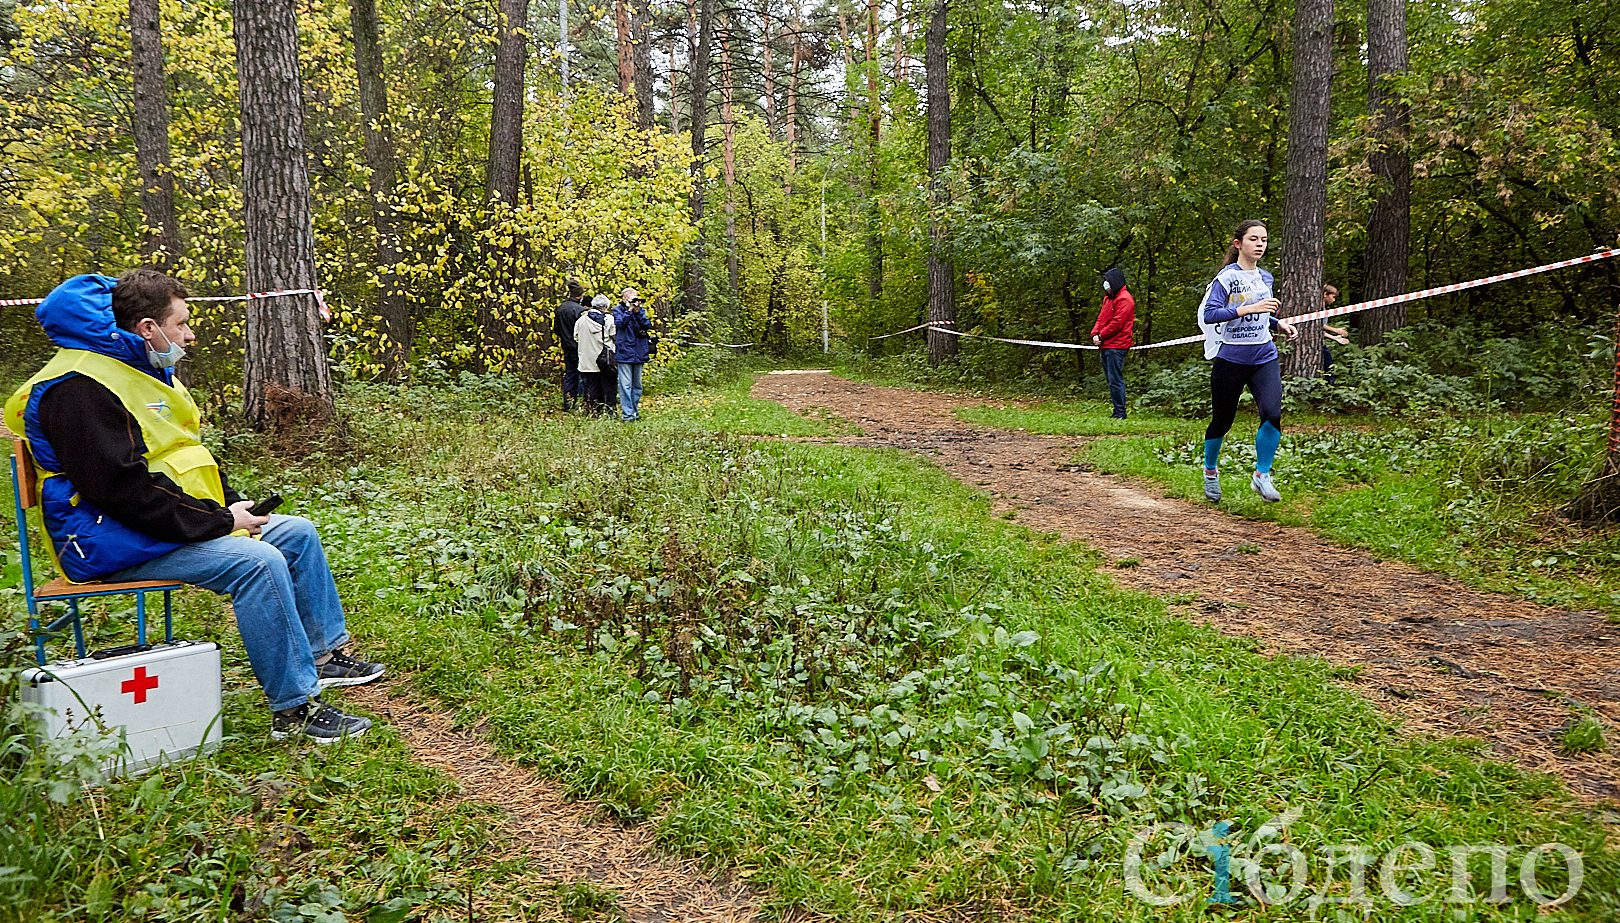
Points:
x=168, y=358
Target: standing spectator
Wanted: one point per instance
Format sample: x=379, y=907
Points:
x=1339, y=335
x=1112, y=333
x=567, y=316
x=632, y=347
x=1241, y=312
x=593, y=335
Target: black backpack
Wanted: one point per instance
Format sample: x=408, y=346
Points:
x=604, y=359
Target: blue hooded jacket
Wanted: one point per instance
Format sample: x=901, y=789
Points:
x=78, y=315
x=632, y=341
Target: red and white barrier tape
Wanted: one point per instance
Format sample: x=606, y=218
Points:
x=1303, y=318
x=885, y=336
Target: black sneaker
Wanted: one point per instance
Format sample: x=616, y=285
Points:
x=319, y=722
x=343, y=670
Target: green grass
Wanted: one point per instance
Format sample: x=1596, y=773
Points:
x=831, y=669
x=726, y=407
x=1072, y=418
x=1445, y=497
x=1471, y=497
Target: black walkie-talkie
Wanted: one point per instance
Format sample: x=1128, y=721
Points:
x=266, y=506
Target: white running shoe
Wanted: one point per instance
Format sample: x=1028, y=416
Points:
x=1212, y=486
x=1262, y=485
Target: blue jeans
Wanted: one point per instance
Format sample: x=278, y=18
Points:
x=630, y=390
x=1113, y=361
x=281, y=588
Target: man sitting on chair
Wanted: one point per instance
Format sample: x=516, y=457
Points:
x=128, y=492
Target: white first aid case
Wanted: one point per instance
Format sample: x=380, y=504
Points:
x=163, y=700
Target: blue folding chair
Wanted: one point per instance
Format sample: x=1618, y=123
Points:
x=25, y=490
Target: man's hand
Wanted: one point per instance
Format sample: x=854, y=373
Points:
x=246, y=521
x=1096, y=340
x=1267, y=306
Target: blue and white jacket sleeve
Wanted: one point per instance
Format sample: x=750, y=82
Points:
x=1215, y=309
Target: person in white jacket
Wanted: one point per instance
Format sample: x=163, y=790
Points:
x=593, y=333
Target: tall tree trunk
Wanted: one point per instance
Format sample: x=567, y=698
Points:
x=506, y=115
x=941, y=273
x=392, y=308
x=874, y=116
x=1389, y=226
x=505, y=156
x=767, y=65
x=641, y=61
x=791, y=129
x=846, y=46
x=287, y=380
x=624, y=46
x=674, y=94
x=697, y=298
x=1305, y=212
x=728, y=131
x=901, y=71
x=160, y=244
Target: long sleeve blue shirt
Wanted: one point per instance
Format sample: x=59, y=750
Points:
x=1244, y=340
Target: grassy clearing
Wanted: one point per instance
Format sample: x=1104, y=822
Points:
x=1470, y=497
x=726, y=407
x=838, y=672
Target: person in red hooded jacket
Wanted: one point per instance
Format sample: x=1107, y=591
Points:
x=1112, y=333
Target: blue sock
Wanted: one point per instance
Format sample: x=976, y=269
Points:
x=1212, y=453
x=1265, y=446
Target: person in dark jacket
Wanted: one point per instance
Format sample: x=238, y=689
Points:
x=567, y=316
x=632, y=348
x=129, y=492
x=1113, y=333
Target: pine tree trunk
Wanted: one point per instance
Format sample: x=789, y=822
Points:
x=767, y=65
x=505, y=156
x=874, y=115
x=506, y=115
x=697, y=297
x=287, y=382
x=624, y=46
x=1305, y=212
x=941, y=273
x=901, y=71
x=728, y=129
x=674, y=94
x=160, y=244
x=392, y=308
x=641, y=61
x=1389, y=226
x=791, y=128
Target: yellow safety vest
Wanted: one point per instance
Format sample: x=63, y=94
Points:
x=169, y=419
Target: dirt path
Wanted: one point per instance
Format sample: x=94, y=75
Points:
x=1440, y=656
x=563, y=837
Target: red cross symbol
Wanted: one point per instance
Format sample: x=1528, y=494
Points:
x=139, y=684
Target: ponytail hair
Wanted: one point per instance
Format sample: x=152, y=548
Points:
x=1242, y=229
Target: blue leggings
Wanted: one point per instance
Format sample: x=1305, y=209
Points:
x=1226, y=382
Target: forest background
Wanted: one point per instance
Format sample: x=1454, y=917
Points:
x=1075, y=138
x=754, y=169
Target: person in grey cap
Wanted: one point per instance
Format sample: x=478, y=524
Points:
x=632, y=348
x=593, y=333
